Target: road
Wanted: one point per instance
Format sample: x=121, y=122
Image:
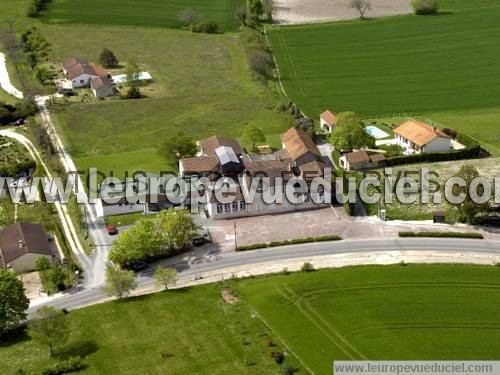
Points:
x=280, y=257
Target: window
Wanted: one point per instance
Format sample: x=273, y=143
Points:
x=82, y=81
x=235, y=206
x=219, y=208
x=243, y=206
x=227, y=207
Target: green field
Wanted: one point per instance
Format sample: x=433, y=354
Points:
x=443, y=66
x=156, y=13
x=205, y=89
x=382, y=313
x=440, y=312
x=190, y=331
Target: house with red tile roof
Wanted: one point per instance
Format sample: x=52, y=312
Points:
x=415, y=137
x=328, y=121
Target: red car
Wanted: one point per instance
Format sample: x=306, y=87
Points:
x=111, y=229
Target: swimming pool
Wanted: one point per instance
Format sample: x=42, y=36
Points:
x=376, y=132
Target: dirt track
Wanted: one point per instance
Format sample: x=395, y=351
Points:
x=314, y=11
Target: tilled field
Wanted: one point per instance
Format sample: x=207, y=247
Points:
x=313, y=11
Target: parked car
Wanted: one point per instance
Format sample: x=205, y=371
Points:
x=202, y=239
x=111, y=229
x=20, y=122
x=138, y=266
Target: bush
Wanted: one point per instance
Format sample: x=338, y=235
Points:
x=425, y=7
x=442, y=234
x=206, y=26
x=72, y=364
x=133, y=92
x=289, y=242
x=307, y=267
x=288, y=369
x=36, y=6
x=108, y=59
x=278, y=357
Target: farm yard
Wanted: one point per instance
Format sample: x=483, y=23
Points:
x=404, y=64
x=288, y=12
x=156, y=13
x=378, y=313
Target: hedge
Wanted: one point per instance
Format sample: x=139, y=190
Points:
x=442, y=234
x=466, y=153
x=289, y=242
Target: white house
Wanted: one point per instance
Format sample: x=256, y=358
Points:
x=80, y=72
x=415, y=137
x=21, y=244
x=327, y=121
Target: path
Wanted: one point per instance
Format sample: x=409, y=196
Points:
x=62, y=211
x=5, y=80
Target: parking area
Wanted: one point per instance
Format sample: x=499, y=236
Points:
x=226, y=234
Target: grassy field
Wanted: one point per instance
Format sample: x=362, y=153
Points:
x=206, y=90
x=190, y=331
x=382, y=313
x=156, y=13
x=442, y=66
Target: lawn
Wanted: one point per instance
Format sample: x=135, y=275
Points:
x=206, y=89
x=439, y=312
x=156, y=13
x=443, y=66
x=189, y=331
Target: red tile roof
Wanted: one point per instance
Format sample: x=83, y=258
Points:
x=329, y=117
x=418, y=132
x=298, y=143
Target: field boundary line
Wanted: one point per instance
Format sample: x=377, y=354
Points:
x=279, y=82
x=315, y=323
x=326, y=324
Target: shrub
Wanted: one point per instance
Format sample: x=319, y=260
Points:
x=72, y=364
x=288, y=369
x=108, y=59
x=205, y=26
x=278, y=357
x=425, y=7
x=307, y=267
x=133, y=92
x=442, y=234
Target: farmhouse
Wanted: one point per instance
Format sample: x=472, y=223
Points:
x=359, y=160
x=21, y=244
x=224, y=157
x=102, y=87
x=327, y=121
x=80, y=72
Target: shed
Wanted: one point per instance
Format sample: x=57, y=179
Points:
x=229, y=163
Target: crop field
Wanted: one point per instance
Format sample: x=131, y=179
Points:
x=155, y=13
x=415, y=312
x=443, y=66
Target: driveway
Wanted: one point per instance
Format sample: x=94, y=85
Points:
x=5, y=80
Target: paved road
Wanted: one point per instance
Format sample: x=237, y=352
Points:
x=281, y=255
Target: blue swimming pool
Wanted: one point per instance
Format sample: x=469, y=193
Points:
x=376, y=132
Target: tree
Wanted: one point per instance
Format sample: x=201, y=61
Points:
x=252, y=135
x=108, y=59
x=178, y=230
x=261, y=63
x=178, y=147
x=362, y=6
x=119, y=282
x=350, y=133
x=468, y=207
x=132, y=92
x=42, y=263
x=165, y=276
x=189, y=16
x=241, y=14
x=132, y=71
x=140, y=242
x=49, y=327
x=13, y=301
x=425, y=7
